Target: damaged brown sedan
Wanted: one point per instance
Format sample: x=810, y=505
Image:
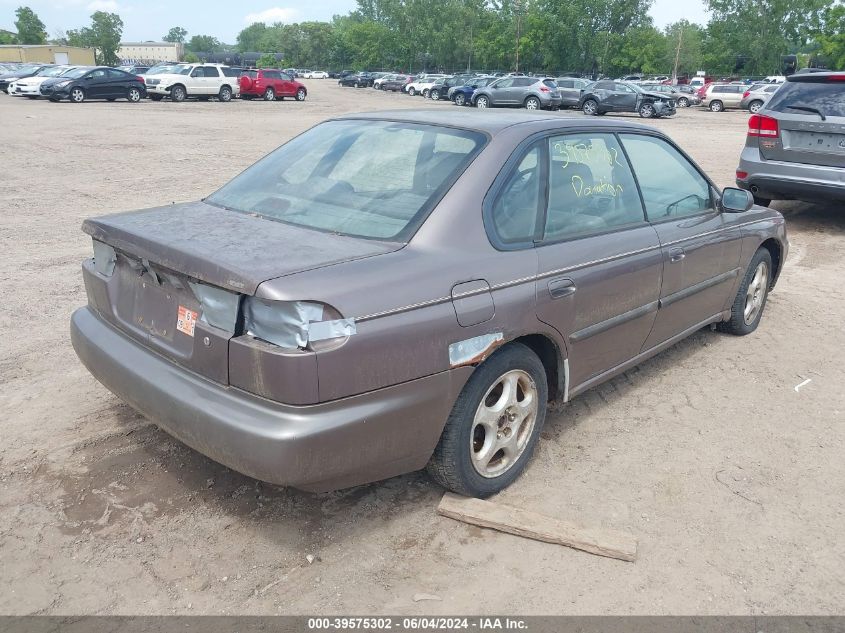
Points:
x=398, y=290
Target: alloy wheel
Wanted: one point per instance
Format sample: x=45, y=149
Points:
x=503, y=423
x=77, y=95
x=756, y=293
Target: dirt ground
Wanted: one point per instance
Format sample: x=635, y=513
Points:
x=731, y=479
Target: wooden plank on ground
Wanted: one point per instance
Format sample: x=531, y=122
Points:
x=538, y=527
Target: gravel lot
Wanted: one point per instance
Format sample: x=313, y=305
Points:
x=732, y=480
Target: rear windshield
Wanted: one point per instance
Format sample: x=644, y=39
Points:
x=371, y=179
x=828, y=98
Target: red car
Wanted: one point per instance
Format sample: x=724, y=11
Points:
x=270, y=85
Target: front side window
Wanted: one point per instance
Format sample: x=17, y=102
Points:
x=591, y=188
x=366, y=178
x=516, y=208
x=502, y=83
x=671, y=186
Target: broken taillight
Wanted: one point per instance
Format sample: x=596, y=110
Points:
x=761, y=125
x=746, y=93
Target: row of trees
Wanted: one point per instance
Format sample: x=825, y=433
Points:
x=594, y=36
x=103, y=34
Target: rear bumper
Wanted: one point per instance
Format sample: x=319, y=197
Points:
x=320, y=447
x=783, y=180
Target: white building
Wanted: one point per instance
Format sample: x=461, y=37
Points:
x=149, y=52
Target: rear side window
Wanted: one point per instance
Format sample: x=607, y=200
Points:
x=271, y=74
x=591, y=188
x=517, y=205
x=551, y=84
x=250, y=73
x=567, y=83
x=211, y=71
x=828, y=98
x=604, y=85
x=671, y=186
x=522, y=82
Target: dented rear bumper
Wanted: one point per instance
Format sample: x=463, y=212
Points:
x=319, y=447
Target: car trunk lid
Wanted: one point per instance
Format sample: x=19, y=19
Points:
x=172, y=265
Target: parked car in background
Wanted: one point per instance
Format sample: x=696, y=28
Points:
x=616, y=96
x=21, y=72
x=422, y=84
x=385, y=220
x=87, y=83
x=394, y=83
x=631, y=78
x=462, y=95
x=682, y=99
x=184, y=81
x=379, y=83
x=795, y=148
x=133, y=69
x=31, y=86
x=358, y=80
x=316, y=74
x=571, y=89
x=532, y=93
x=719, y=97
x=756, y=97
x=441, y=87
x=270, y=85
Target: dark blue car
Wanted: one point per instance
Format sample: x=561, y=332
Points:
x=462, y=95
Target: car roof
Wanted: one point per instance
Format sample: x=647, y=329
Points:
x=489, y=122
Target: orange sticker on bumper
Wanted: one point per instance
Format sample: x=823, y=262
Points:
x=186, y=321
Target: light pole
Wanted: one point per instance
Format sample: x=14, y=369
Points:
x=517, y=5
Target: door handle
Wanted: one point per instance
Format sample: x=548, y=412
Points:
x=559, y=288
x=676, y=254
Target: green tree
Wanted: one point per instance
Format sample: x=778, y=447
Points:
x=684, y=44
x=191, y=58
x=176, y=35
x=204, y=44
x=30, y=27
x=759, y=32
x=267, y=60
x=831, y=36
x=7, y=37
x=105, y=33
x=253, y=38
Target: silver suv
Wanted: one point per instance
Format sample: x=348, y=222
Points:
x=533, y=93
x=796, y=144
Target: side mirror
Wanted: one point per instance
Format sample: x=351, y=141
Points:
x=736, y=200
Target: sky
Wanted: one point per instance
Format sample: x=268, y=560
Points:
x=151, y=19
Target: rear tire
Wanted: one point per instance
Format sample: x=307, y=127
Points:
x=763, y=202
x=532, y=103
x=716, y=106
x=755, y=106
x=683, y=102
x=225, y=94
x=133, y=95
x=750, y=301
x=468, y=448
x=412, y=91
x=435, y=95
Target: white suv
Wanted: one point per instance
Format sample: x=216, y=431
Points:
x=193, y=80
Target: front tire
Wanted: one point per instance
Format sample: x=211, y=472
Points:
x=683, y=102
x=178, y=94
x=482, y=103
x=300, y=94
x=460, y=99
x=435, y=95
x=590, y=107
x=412, y=91
x=747, y=308
x=77, y=95
x=269, y=95
x=647, y=111
x=494, y=425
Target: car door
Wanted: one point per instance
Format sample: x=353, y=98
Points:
x=599, y=262
x=499, y=91
x=287, y=86
x=95, y=84
x=700, y=246
x=211, y=81
x=117, y=83
x=623, y=98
